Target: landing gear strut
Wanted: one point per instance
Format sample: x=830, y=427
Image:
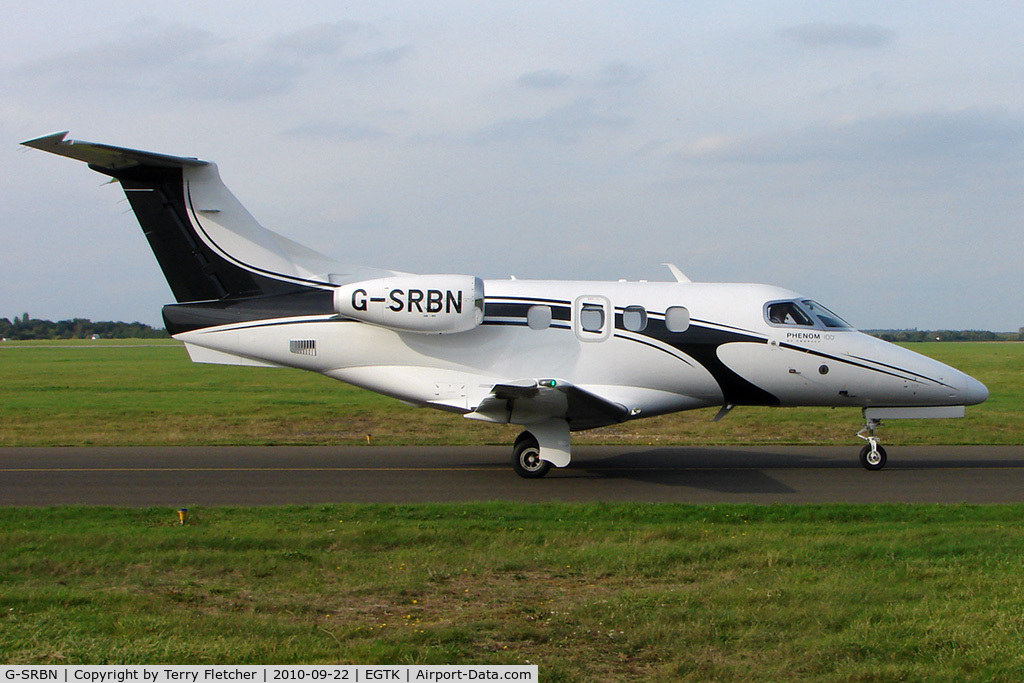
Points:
x=872, y=456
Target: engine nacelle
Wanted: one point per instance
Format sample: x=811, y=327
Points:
x=429, y=304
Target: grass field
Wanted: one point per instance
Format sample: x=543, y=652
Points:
x=587, y=592
x=149, y=393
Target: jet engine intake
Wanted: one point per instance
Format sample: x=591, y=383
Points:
x=427, y=304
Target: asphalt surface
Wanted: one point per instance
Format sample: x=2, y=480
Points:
x=179, y=477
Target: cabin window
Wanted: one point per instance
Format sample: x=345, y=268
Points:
x=592, y=318
x=634, y=318
x=677, y=319
x=538, y=317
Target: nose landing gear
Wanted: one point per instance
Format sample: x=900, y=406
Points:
x=872, y=456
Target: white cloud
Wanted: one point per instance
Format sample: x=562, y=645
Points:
x=316, y=40
x=384, y=57
x=336, y=130
x=982, y=135
x=127, y=64
x=237, y=79
x=564, y=125
x=613, y=75
x=181, y=61
x=823, y=34
x=619, y=75
x=545, y=78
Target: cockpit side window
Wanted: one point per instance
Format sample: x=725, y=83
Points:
x=787, y=313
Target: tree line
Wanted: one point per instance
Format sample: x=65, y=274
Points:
x=916, y=335
x=26, y=328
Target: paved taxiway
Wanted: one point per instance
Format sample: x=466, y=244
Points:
x=298, y=475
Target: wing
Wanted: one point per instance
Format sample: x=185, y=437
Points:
x=531, y=401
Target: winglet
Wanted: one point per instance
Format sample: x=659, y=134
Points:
x=46, y=141
x=676, y=273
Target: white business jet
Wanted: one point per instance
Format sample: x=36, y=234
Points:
x=554, y=356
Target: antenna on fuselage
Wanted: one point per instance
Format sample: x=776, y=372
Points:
x=679, y=275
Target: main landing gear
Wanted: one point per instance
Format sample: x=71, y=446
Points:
x=872, y=456
x=543, y=445
x=526, y=457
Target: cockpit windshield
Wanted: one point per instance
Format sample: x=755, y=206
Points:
x=827, y=317
x=805, y=313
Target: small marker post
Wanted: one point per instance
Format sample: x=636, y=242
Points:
x=182, y=514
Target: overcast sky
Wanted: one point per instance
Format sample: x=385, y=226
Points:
x=869, y=155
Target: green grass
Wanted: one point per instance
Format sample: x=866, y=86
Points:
x=587, y=592
x=149, y=393
x=152, y=394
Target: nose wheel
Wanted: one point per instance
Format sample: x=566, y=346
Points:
x=872, y=456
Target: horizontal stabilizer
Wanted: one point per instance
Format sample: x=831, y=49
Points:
x=198, y=354
x=108, y=156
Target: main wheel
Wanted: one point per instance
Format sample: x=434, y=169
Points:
x=872, y=460
x=526, y=457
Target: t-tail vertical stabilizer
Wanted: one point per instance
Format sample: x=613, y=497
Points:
x=208, y=245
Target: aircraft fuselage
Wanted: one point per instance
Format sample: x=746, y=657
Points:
x=728, y=353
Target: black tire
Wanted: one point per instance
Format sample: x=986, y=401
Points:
x=526, y=458
x=872, y=462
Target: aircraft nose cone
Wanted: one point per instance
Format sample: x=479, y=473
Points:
x=975, y=392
